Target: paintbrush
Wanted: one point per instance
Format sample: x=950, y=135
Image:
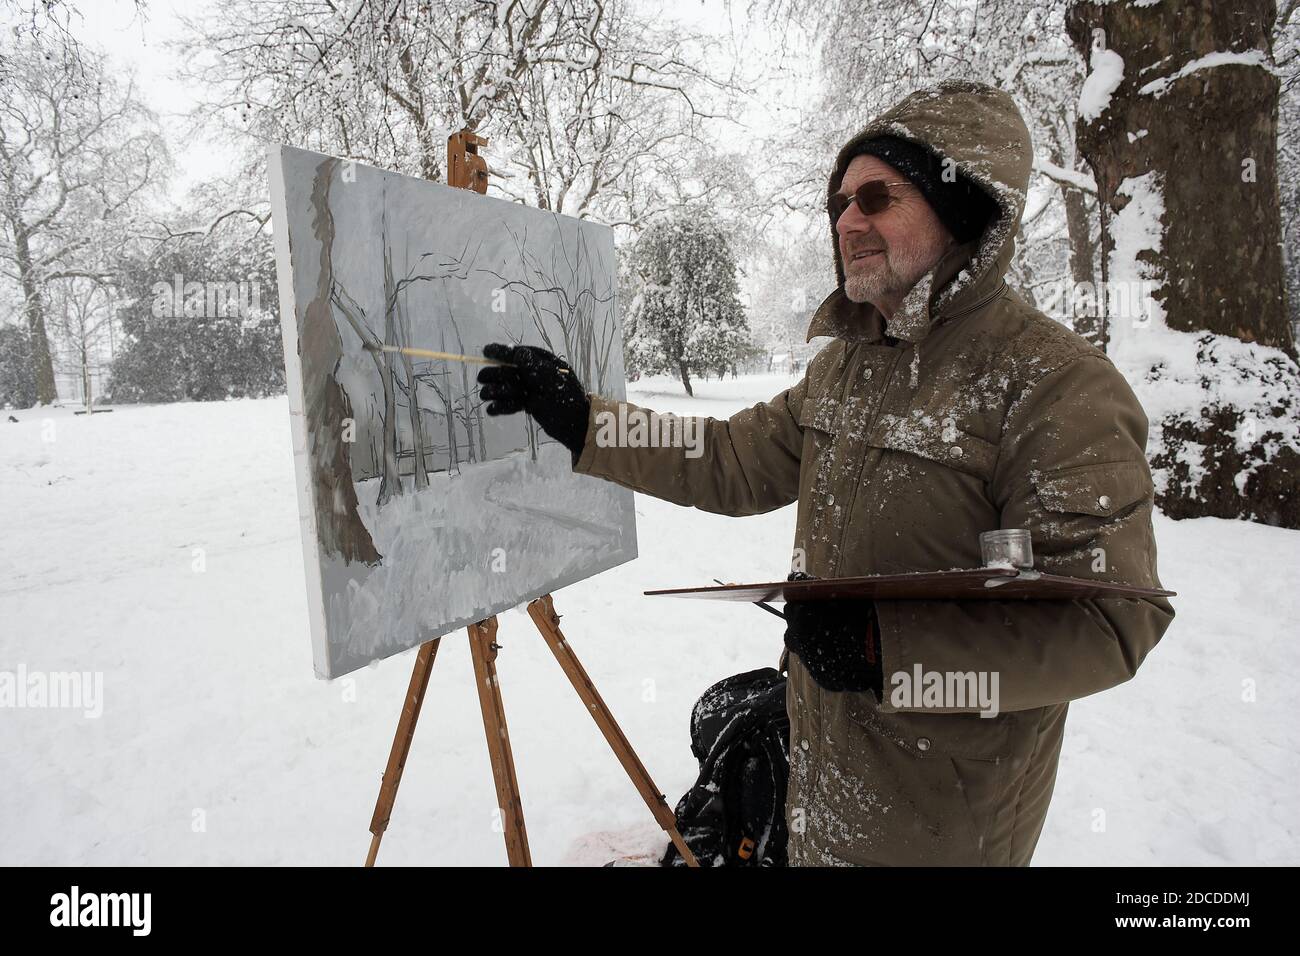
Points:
x=763, y=604
x=429, y=353
x=448, y=356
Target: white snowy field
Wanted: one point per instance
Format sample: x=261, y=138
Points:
x=158, y=547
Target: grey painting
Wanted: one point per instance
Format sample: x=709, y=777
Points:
x=421, y=514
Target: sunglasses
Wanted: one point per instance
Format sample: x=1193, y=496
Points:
x=871, y=197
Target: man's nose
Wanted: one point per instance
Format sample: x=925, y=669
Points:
x=852, y=220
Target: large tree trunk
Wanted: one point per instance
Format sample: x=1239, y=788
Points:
x=1212, y=137
x=1185, y=159
x=34, y=309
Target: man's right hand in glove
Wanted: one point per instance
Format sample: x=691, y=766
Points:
x=538, y=382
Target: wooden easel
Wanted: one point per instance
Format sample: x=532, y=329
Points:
x=468, y=170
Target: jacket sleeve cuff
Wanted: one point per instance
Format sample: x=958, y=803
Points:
x=587, y=462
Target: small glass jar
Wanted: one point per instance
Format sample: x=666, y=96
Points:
x=1007, y=548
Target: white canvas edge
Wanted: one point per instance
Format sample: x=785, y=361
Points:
x=297, y=418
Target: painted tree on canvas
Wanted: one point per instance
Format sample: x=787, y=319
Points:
x=404, y=380
x=569, y=304
x=338, y=523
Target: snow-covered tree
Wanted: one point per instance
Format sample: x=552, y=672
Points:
x=1178, y=121
x=871, y=53
x=792, y=279
x=77, y=153
x=590, y=108
x=686, y=315
x=218, y=338
x=82, y=322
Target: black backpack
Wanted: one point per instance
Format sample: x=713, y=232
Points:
x=734, y=815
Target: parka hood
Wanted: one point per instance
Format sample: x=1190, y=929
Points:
x=982, y=131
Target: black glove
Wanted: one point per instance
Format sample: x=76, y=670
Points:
x=837, y=640
x=533, y=382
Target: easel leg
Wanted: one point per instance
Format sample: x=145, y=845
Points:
x=401, y=745
x=483, y=648
x=542, y=611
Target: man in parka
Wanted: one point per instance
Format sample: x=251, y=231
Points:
x=944, y=406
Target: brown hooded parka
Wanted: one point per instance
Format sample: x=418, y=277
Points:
x=969, y=410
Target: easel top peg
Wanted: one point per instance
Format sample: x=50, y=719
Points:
x=466, y=169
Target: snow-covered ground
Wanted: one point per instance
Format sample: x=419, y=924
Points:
x=158, y=547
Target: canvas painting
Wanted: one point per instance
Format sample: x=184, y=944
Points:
x=420, y=513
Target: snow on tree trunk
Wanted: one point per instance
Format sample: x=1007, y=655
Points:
x=1178, y=120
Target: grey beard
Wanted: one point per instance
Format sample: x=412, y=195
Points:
x=867, y=288
x=860, y=288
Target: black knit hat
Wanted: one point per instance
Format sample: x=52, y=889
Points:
x=961, y=205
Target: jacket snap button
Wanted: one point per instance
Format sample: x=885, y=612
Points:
x=923, y=743
x=830, y=499
x=803, y=745
x=955, y=451
x=1103, y=502
x=867, y=373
